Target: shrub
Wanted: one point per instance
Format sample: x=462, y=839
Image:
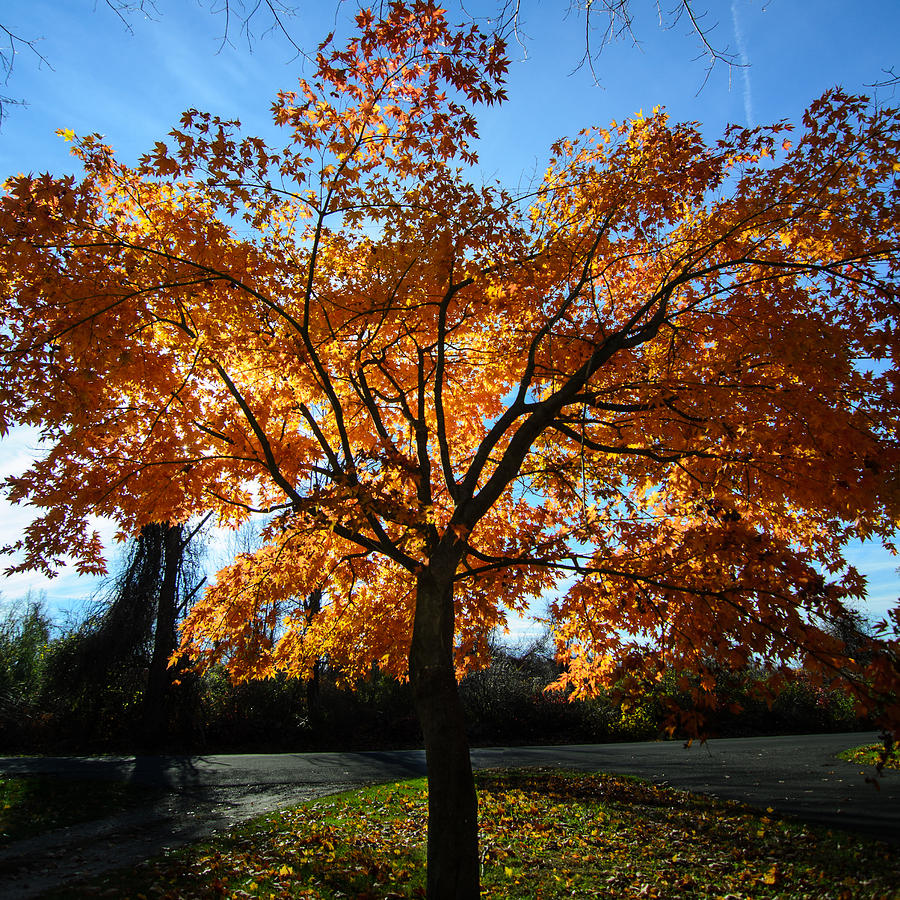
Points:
x=25, y=641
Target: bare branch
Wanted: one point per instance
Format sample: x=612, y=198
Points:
x=240, y=15
x=891, y=79
x=14, y=44
x=616, y=23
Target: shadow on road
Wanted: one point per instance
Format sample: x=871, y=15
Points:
x=796, y=775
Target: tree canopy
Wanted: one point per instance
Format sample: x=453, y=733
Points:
x=660, y=387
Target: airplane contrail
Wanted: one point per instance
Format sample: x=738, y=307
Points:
x=744, y=60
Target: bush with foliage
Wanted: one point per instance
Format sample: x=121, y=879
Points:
x=25, y=641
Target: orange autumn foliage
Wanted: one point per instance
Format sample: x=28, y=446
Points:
x=661, y=387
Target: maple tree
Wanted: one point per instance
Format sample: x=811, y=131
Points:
x=660, y=387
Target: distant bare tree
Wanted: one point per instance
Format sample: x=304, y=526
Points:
x=605, y=21
x=249, y=19
x=891, y=79
x=608, y=21
x=14, y=44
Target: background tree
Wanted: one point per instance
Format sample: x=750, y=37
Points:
x=608, y=21
x=239, y=18
x=666, y=376
x=164, y=577
x=112, y=673
x=26, y=631
x=605, y=22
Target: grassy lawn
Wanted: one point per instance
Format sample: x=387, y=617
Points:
x=867, y=755
x=35, y=804
x=544, y=835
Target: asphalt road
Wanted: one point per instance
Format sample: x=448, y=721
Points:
x=798, y=775
x=795, y=774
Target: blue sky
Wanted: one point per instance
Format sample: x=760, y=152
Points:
x=131, y=86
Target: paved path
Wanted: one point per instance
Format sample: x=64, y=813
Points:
x=797, y=775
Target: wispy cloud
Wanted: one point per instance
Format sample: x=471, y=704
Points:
x=744, y=61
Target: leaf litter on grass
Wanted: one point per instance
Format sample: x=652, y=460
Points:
x=543, y=835
x=871, y=755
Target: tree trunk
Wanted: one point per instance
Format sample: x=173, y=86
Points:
x=453, y=865
x=165, y=638
x=313, y=607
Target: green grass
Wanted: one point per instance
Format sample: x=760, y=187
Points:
x=868, y=755
x=544, y=835
x=34, y=804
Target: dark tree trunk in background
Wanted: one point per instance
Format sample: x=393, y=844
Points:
x=313, y=608
x=453, y=864
x=167, y=546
